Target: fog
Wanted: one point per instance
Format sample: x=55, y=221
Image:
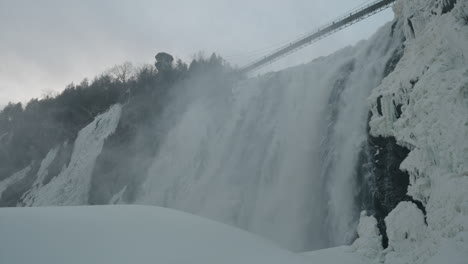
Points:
x=45, y=45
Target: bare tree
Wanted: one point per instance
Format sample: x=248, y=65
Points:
x=123, y=72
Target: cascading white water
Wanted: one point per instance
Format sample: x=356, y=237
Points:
x=278, y=156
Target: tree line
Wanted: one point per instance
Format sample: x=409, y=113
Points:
x=28, y=132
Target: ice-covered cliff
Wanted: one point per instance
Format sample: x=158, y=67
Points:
x=68, y=183
x=423, y=104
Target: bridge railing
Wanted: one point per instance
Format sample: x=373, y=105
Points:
x=339, y=18
x=352, y=17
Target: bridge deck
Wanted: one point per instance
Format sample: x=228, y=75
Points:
x=327, y=30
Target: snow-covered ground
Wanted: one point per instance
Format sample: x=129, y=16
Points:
x=137, y=234
x=343, y=254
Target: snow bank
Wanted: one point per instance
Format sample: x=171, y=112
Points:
x=343, y=254
x=423, y=103
x=71, y=186
x=128, y=234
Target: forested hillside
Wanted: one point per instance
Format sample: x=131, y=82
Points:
x=28, y=132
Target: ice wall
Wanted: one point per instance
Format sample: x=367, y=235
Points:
x=16, y=177
x=71, y=185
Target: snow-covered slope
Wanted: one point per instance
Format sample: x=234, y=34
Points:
x=136, y=234
x=424, y=105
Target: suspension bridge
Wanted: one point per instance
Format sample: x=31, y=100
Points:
x=336, y=25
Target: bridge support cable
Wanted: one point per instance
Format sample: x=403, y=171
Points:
x=329, y=29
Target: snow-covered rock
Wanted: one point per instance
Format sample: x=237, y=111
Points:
x=423, y=104
x=405, y=229
x=369, y=243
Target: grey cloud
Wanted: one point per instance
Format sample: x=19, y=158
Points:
x=46, y=44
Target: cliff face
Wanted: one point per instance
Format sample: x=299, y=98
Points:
x=422, y=106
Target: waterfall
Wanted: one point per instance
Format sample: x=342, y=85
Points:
x=276, y=155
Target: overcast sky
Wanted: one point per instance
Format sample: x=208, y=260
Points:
x=47, y=44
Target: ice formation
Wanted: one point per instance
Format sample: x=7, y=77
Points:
x=71, y=186
x=16, y=177
x=369, y=242
x=423, y=103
